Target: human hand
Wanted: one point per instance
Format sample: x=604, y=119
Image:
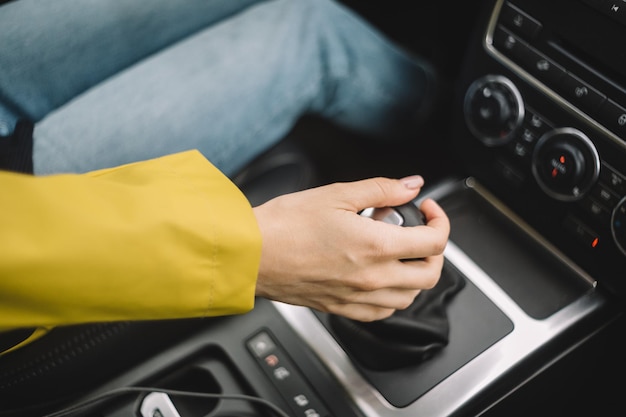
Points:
x=319, y=252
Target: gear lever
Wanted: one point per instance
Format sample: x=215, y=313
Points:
x=409, y=336
x=405, y=215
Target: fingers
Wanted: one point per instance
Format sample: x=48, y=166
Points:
x=363, y=313
x=378, y=192
x=376, y=305
x=373, y=296
x=398, y=242
x=388, y=287
x=436, y=217
x=396, y=274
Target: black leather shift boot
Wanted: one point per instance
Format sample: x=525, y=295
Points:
x=409, y=336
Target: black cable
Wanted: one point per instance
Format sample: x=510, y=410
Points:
x=142, y=390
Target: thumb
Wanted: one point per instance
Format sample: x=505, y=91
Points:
x=382, y=192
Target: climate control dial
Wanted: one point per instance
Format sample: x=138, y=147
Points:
x=494, y=109
x=565, y=164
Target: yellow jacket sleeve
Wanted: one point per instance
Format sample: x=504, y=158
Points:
x=166, y=238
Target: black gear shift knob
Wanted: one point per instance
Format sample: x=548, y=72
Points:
x=405, y=215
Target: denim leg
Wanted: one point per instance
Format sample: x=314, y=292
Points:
x=51, y=51
x=235, y=88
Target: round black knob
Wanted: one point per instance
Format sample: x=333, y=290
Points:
x=494, y=109
x=618, y=225
x=565, y=164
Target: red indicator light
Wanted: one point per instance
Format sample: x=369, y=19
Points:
x=555, y=172
x=271, y=360
x=594, y=243
x=562, y=159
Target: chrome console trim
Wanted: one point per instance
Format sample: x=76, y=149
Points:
x=458, y=389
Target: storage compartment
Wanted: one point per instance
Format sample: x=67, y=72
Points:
x=210, y=372
x=533, y=275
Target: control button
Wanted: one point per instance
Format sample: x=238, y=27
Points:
x=528, y=136
x=528, y=58
x=520, y=149
x=581, y=94
x=261, y=344
x=508, y=43
x=285, y=376
x=581, y=232
x=600, y=214
x=281, y=373
x=604, y=195
x=613, y=179
x=614, y=8
x=541, y=66
x=536, y=122
x=519, y=22
x=271, y=360
x=534, y=127
x=613, y=116
x=301, y=400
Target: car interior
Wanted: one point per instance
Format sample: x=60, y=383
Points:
x=525, y=151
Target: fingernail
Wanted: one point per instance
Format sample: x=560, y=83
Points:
x=413, y=182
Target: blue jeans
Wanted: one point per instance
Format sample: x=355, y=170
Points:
x=112, y=82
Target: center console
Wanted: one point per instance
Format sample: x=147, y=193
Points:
x=544, y=109
x=538, y=238
x=539, y=223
